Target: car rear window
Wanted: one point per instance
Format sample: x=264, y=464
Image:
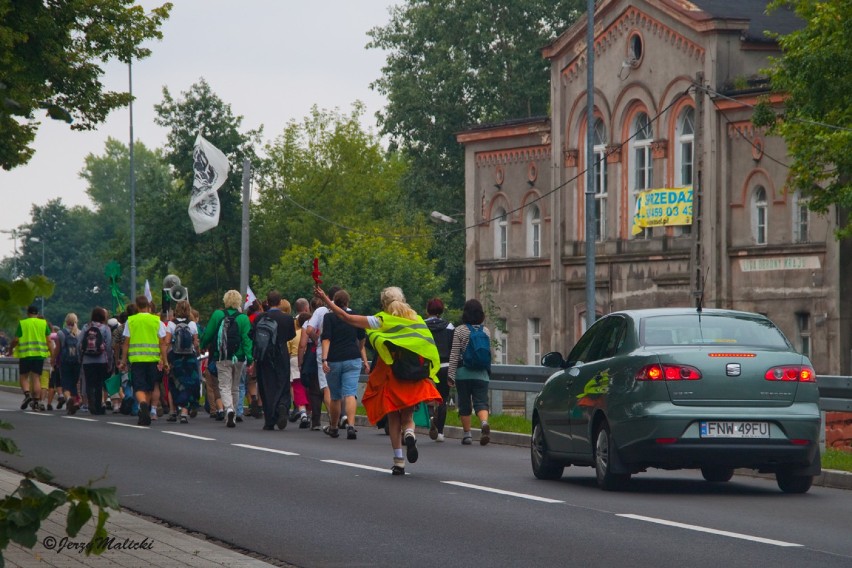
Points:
x=689, y=329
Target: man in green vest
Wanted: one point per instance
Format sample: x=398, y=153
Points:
x=32, y=346
x=146, y=349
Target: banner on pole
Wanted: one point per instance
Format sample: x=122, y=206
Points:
x=662, y=208
x=210, y=170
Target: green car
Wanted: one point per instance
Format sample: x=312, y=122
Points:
x=679, y=388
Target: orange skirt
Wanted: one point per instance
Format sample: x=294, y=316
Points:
x=385, y=393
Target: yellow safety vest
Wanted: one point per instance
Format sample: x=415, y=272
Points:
x=33, y=340
x=413, y=335
x=144, y=344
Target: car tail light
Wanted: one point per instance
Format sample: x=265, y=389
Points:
x=668, y=373
x=790, y=373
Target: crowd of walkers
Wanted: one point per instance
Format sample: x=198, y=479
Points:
x=271, y=360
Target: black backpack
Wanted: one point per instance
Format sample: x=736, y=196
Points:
x=93, y=342
x=70, y=347
x=182, y=341
x=265, y=338
x=408, y=365
x=443, y=337
x=229, y=337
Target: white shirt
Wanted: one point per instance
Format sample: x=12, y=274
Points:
x=192, y=327
x=316, y=322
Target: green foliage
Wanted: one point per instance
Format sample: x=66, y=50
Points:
x=362, y=264
x=18, y=294
x=813, y=75
x=451, y=65
x=51, y=57
x=22, y=512
x=837, y=459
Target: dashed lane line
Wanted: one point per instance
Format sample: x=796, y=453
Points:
x=262, y=449
x=185, y=435
x=358, y=465
x=708, y=530
x=34, y=413
x=81, y=418
x=503, y=492
x=129, y=425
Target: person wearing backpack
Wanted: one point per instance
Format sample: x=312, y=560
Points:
x=68, y=360
x=227, y=339
x=442, y=333
x=396, y=327
x=470, y=369
x=96, y=359
x=271, y=331
x=185, y=378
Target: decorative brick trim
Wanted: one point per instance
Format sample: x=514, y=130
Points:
x=513, y=155
x=571, y=157
x=633, y=19
x=613, y=154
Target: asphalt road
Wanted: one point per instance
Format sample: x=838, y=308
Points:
x=306, y=499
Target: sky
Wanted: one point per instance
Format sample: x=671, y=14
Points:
x=271, y=60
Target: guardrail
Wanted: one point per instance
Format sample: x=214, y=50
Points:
x=835, y=391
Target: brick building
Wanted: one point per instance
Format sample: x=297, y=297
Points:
x=754, y=244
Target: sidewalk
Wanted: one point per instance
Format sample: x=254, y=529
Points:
x=155, y=545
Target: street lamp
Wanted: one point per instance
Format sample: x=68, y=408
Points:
x=38, y=240
x=439, y=217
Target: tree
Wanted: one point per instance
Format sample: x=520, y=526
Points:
x=209, y=263
x=451, y=65
x=51, y=57
x=813, y=77
x=325, y=176
x=363, y=264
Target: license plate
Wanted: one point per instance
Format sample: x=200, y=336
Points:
x=734, y=429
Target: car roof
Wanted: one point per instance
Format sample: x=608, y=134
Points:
x=639, y=314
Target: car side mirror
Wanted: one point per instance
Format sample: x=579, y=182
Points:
x=553, y=360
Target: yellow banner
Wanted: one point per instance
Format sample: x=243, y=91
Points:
x=662, y=207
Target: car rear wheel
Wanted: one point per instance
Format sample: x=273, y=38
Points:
x=717, y=474
x=604, y=449
x=789, y=483
x=543, y=466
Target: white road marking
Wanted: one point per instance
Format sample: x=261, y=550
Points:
x=194, y=437
x=250, y=447
x=130, y=425
x=711, y=531
x=359, y=466
x=80, y=418
x=502, y=492
x=37, y=413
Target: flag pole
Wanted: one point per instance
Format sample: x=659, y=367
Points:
x=244, y=249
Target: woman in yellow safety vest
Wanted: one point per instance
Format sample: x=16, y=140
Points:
x=396, y=326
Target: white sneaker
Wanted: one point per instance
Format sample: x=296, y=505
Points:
x=343, y=422
x=440, y=438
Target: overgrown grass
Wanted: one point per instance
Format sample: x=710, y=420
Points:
x=837, y=459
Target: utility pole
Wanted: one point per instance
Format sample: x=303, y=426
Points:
x=244, y=249
x=696, y=263
x=132, y=193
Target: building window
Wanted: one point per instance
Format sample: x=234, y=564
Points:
x=501, y=338
x=801, y=217
x=759, y=216
x=600, y=179
x=804, y=322
x=534, y=232
x=684, y=157
x=501, y=234
x=642, y=170
x=534, y=334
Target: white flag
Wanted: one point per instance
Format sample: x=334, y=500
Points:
x=148, y=291
x=210, y=168
x=250, y=298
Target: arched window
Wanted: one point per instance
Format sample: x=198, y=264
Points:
x=501, y=233
x=642, y=168
x=600, y=179
x=759, y=216
x=533, y=231
x=801, y=218
x=684, y=156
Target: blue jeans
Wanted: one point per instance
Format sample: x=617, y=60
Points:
x=343, y=378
